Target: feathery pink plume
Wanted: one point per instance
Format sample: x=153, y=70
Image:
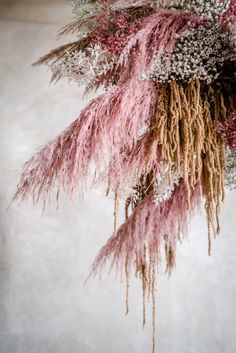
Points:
x=157, y=36
x=144, y=157
x=148, y=225
x=108, y=125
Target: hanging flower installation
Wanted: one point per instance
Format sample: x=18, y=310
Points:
x=163, y=133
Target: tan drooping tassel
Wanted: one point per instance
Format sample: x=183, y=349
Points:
x=185, y=120
x=127, y=276
x=213, y=161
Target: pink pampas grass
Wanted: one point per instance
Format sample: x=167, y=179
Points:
x=108, y=125
x=144, y=157
x=148, y=226
x=156, y=36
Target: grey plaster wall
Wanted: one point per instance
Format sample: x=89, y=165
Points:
x=45, y=258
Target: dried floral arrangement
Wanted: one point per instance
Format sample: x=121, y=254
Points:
x=162, y=135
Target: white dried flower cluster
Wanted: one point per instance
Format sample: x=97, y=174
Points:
x=209, y=9
x=84, y=67
x=85, y=12
x=230, y=171
x=82, y=8
x=165, y=186
x=198, y=54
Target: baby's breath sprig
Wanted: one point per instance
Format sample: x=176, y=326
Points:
x=209, y=9
x=230, y=171
x=83, y=66
x=198, y=54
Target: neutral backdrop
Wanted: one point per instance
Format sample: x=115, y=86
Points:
x=45, y=257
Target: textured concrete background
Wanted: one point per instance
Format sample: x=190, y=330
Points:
x=44, y=259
